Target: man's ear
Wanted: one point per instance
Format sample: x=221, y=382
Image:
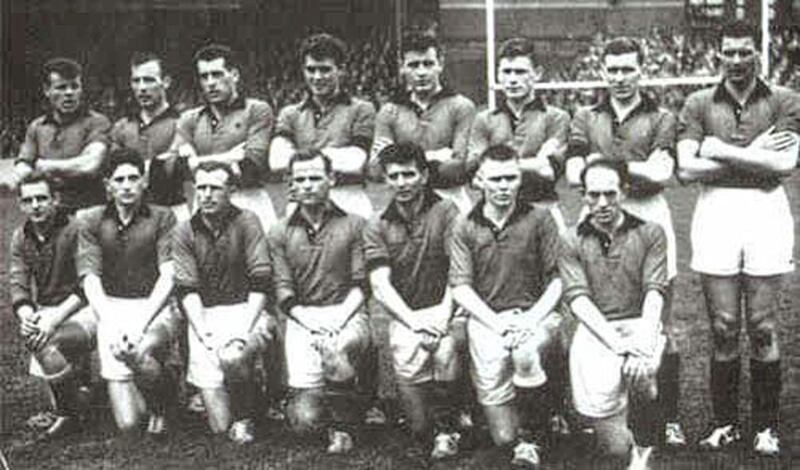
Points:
x=167, y=81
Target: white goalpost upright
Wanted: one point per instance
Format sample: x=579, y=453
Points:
x=649, y=82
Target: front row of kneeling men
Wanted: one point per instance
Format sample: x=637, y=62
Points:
x=128, y=272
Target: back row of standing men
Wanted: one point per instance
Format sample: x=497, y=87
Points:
x=738, y=138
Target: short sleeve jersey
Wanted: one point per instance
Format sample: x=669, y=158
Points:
x=615, y=272
x=508, y=267
x=245, y=121
x=536, y=124
x=42, y=272
x=445, y=123
x=223, y=264
x=714, y=112
x=125, y=257
x=317, y=267
x=647, y=128
x=50, y=138
x=415, y=249
x=150, y=140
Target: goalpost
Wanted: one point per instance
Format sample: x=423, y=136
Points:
x=648, y=82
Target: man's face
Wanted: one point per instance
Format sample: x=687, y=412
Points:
x=37, y=202
x=212, y=190
x=603, y=195
x=405, y=180
x=516, y=77
x=500, y=181
x=126, y=185
x=217, y=81
x=148, y=85
x=310, y=182
x=322, y=76
x=738, y=59
x=64, y=94
x=422, y=70
x=622, y=73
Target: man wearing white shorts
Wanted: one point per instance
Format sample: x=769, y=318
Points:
x=124, y=262
x=150, y=129
x=430, y=113
x=318, y=258
x=55, y=322
x=629, y=126
x=329, y=119
x=739, y=139
x=503, y=272
x=223, y=276
x=613, y=266
x=228, y=128
x=406, y=252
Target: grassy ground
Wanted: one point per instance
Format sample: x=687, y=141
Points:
x=387, y=447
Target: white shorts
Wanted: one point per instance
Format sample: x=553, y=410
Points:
x=258, y=201
x=127, y=317
x=653, y=209
x=598, y=389
x=353, y=199
x=558, y=215
x=304, y=362
x=415, y=364
x=225, y=322
x=84, y=318
x=497, y=370
x=742, y=230
x=459, y=195
x=181, y=212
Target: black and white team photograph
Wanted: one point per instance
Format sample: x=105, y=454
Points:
x=399, y=234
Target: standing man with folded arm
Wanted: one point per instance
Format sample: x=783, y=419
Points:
x=70, y=142
x=739, y=139
x=228, y=128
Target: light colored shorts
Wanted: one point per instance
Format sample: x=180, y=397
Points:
x=181, y=212
x=497, y=370
x=742, y=230
x=304, y=360
x=416, y=364
x=352, y=198
x=127, y=317
x=225, y=322
x=258, y=201
x=598, y=388
x=84, y=318
x=459, y=195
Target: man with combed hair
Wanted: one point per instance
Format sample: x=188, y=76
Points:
x=150, y=129
x=430, y=113
x=55, y=322
x=124, y=262
x=739, y=139
x=614, y=269
x=69, y=143
x=329, y=119
x=228, y=128
x=406, y=252
x=223, y=276
x=503, y=273
x=630, y=127
x=318, y=258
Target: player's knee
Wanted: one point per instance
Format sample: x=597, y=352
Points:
x=234, y=361
x=54, y=363
x=763, y=339
x=304, y=416
x=615, y=441
x=725, y=330
x=148, y=370
x=503, y=436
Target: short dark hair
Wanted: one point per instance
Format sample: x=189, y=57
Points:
x=142, y=57
x=67, y=68
x=36, y=177
x=211, y=166
x=217, y=51
x=123, y=156
x=323, y=46
x=308, y=155
x=739, y=29
x=517, y=47
x=418, y=41
x=623, y=45
x=500, y=153
x=617, y=166
x=403, y=153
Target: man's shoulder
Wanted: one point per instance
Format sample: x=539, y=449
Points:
x=704, y=95
x=257, y=105
x=90, y=216
x=37, y=121
x=555, y=111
